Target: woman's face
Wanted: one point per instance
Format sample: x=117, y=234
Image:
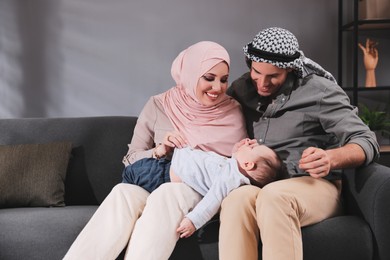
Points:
x=212, y=85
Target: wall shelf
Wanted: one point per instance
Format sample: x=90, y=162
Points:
x=385, y=149
x=350, y=27
x=354, y=27
x=368, y=24
x=378, y=88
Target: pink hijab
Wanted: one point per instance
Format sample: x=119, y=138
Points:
x=215, y=128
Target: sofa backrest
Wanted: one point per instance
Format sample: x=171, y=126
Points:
x=98, y=146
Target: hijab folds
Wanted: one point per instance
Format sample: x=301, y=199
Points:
x=211, y=128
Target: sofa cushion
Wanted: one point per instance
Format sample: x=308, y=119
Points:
x=33, y=174
x=98, y=146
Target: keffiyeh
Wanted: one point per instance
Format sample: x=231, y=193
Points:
x=280, y=47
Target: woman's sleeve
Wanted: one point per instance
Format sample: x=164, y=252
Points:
x=142, y=143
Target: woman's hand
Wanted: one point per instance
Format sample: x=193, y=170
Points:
x=186, y=228
x=315, y=161
x=174, y=139
x=170, y=141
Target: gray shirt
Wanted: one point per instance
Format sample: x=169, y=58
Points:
x=210, y=174
x=312, y=111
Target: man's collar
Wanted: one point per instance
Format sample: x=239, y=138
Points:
x=288, y=85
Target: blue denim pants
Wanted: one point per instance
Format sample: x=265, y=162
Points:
x=148, y=173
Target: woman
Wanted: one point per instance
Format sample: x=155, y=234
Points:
x=196, y=112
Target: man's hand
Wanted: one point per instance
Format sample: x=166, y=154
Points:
x=186, y=228
x=315, y=161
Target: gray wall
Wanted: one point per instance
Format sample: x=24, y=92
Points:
x=97, y=57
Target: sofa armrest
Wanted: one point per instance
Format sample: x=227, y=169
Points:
x=367, y=194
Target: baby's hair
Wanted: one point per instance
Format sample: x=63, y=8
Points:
x=267, y=171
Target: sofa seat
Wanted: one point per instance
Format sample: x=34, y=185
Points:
x=23, y=231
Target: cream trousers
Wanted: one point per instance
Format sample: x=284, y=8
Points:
x=274, y=214
x=129, y=216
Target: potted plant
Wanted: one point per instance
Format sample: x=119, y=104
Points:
x=377, y=120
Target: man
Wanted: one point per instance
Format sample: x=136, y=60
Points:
x=295, y=107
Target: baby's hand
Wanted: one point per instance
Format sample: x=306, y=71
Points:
x=186, y=228
x=245, y=141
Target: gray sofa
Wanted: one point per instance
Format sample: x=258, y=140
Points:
x=98, y=145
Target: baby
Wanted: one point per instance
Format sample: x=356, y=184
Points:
x=210, y=174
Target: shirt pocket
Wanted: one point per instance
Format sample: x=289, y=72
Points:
x=287, y=126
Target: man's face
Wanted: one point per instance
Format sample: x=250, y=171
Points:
x=267, y=78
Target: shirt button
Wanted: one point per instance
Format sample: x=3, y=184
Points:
x=261, y=140
x=265, y=118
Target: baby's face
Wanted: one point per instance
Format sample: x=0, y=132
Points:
x=252, y=152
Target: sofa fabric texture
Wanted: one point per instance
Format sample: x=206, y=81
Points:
x=98, y=145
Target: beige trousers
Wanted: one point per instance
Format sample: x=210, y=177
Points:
x=129, y=216
x=274, y=214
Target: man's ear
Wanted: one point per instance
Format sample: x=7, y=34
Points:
x=249, y=166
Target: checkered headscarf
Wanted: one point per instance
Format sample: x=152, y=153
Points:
x=280, y=47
